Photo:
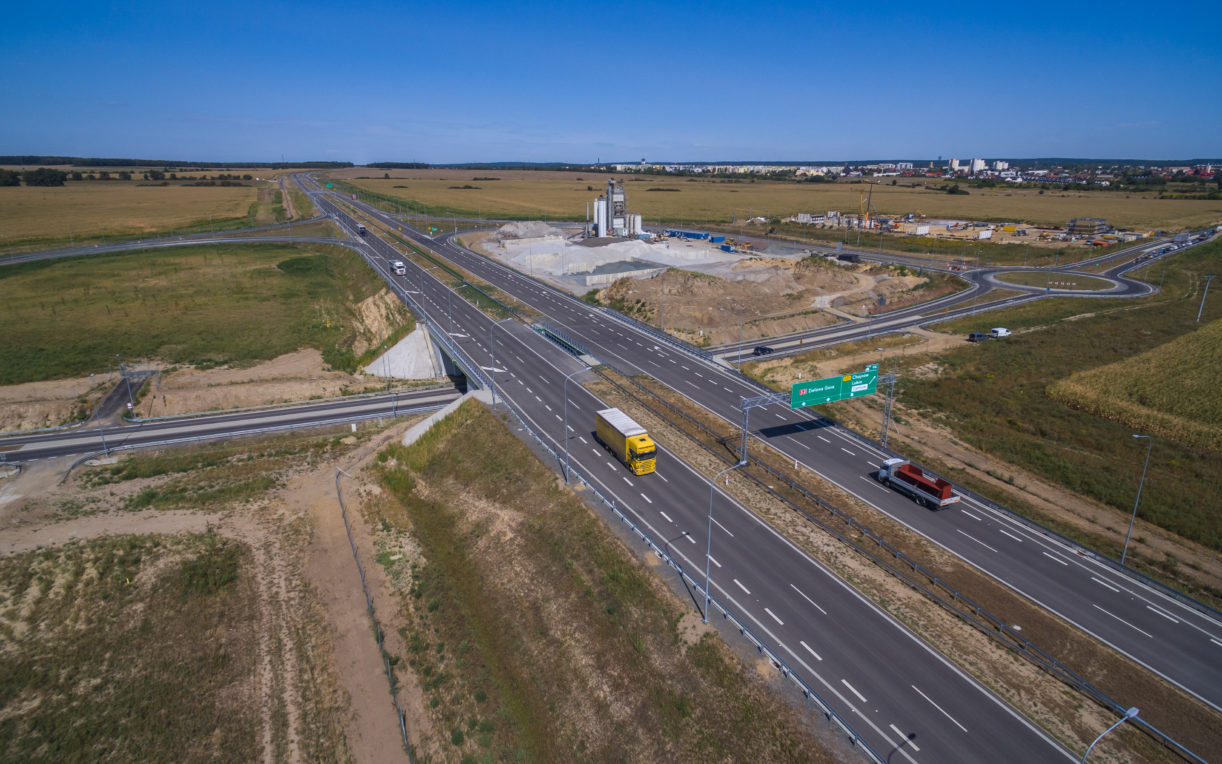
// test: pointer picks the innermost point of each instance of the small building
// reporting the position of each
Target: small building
(1087, 226)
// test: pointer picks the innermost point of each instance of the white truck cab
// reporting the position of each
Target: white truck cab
(399, 268)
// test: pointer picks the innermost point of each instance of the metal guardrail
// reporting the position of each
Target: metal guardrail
(979, 617)
(675, 342)
(697, 583)
(567, 343)
(934, 588)
(377, 627)
(278, 406)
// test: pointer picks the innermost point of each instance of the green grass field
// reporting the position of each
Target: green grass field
(129, 648)
(1000, 396)
(203, 305)
(1055, 280)
(1170, 391)
(519, 194)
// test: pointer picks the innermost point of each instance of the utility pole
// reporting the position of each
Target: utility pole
(1208, 278)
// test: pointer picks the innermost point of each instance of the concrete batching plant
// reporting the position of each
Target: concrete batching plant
(611, 216)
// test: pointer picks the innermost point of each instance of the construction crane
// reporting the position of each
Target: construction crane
(865, 204)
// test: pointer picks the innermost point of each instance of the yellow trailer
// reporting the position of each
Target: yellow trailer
(627, 440)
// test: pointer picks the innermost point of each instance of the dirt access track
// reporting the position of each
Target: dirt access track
(320, 689)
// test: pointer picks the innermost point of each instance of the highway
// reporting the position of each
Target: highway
(905, 700)
(1179, 641)
(98, 437)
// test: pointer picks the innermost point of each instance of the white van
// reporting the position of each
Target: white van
(401, 270)
(999, 331)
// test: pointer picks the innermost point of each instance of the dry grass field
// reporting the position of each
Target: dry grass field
(1170, 391)
(85, 211)
(518, 193)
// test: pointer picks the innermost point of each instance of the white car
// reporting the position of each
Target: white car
(999, 331)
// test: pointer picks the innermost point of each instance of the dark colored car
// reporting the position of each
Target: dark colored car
(977, 337)
(762, 350)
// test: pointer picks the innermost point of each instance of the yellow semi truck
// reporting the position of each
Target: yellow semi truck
(627, 440)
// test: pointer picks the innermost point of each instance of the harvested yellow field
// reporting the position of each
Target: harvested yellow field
(559, 194)
(1170, 391)
(85, 210)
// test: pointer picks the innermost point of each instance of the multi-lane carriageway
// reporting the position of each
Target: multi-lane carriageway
(1178, 640)
(906, 701)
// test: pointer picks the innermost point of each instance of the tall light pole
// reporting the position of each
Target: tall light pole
(1131, 713)
(1133, 519)
(565, 431)
(492, 350)
(1208, 278)
(708, 551)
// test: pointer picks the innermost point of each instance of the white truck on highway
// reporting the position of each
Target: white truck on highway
(399, 268)
(905, 477)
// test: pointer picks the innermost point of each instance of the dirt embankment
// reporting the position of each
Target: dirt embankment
(760, 297)
(49, 404)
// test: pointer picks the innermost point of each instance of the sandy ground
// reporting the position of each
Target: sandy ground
(49, 404)
(317, 645)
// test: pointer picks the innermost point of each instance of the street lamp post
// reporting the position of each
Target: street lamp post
(1131, 713)
(492, 350)
(708, 552)
(1133, 519)
(565, 431)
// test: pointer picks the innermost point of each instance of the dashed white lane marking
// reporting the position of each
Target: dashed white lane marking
(803, 445)
(609, 464)
(825, 440)
(935, 705)
(646, 498)
(1216, 642)
(853, 690)
(583, 440)
(663, 514)
(713, 560)
(1164, 615)
(906, 740)
(1011, 535)
(549, 408)
(978, 541)
(688, 536)
(977, 518)
(629, 482)
(1118, 618)
(808, 599)
(740, 586)
(661, 477)
(1054, 558)
(728, 390)
(719, 525)
(1104, 584)
(778, 620)
(540, 400)
(850, 453)
(812, 652)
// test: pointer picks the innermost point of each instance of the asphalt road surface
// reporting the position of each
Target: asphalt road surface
(1181, 641)
(907, 701)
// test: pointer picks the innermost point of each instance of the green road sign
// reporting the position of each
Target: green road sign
(818, 391)
(329, 186)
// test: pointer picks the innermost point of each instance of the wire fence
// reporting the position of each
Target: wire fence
(373, 617)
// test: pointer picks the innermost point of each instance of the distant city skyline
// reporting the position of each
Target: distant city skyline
(677, 83)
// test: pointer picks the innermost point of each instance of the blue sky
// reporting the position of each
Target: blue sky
(468, 82)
